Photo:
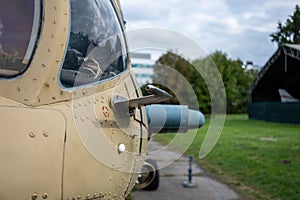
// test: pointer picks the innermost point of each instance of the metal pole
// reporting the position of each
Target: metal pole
(189, 183)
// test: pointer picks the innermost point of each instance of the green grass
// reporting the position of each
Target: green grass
(258, 169)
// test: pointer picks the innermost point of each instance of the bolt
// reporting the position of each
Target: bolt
(45, 133)
(31, 134)
(34, 196)
(45, 195)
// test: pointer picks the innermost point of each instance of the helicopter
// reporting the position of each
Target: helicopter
(74, 123)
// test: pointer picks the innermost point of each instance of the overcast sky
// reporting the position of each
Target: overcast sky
(239, 28)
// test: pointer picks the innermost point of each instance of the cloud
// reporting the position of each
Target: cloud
(239, 28)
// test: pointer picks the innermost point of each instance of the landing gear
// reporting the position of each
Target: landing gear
(149, 177)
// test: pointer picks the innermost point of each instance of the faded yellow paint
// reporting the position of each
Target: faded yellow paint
(57, 143)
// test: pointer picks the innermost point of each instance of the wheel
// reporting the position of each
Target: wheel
(148, 179)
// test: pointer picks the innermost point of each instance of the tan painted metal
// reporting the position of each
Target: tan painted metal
(64, 144)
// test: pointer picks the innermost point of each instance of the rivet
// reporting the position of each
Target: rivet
(95, 195)
(87, 196)
(31, 134)
(34, 196)
(45, 133)
(79, 196)
(45, 195)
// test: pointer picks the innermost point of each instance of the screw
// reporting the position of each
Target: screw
(45, 133)
(45, 195)
(31, 134)
(34, 196)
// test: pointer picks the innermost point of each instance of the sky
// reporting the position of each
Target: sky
(238, 28)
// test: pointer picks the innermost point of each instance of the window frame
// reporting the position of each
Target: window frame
(126, 63)
(37, 26)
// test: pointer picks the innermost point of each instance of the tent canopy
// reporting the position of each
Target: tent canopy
(282, 71)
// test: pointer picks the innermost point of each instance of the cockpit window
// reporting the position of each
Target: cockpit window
(19, 27)
(96, 49)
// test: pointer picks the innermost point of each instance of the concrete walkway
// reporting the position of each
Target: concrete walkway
(172, 177)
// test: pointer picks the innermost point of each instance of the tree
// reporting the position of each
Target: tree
(290, 31)
(237, 80)
(173, 73)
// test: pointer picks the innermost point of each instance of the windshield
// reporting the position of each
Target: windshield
(19, 24)
(96, 49)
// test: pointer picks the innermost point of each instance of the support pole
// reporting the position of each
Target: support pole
(189, 183)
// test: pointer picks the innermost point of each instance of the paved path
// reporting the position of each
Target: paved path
(172, 177)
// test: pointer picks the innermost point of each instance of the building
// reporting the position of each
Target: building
(142, 65)
(275, 94)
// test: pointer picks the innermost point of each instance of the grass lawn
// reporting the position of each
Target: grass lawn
(260, 160)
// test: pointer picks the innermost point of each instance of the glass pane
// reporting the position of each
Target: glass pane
(96, 49)
(16, 22)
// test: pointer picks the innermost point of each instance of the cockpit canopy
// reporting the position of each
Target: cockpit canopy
(19, 31)
(96, 50)
(96, 47)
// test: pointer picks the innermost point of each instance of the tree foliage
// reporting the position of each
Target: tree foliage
(173, 74)
(289, 32)
(237, 80)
